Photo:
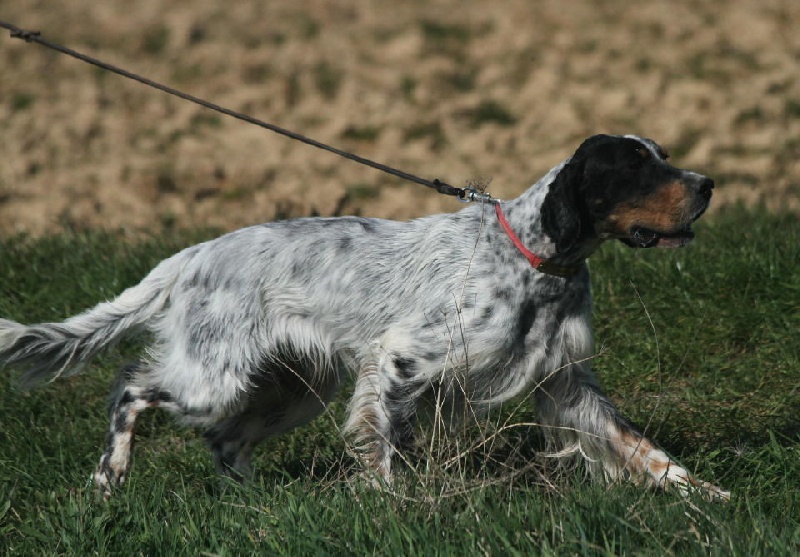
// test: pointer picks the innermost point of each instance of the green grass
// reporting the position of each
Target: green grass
(699, 346)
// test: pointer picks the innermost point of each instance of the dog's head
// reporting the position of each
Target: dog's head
(623, 187)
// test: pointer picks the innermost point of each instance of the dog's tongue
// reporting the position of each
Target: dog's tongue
(673, 242)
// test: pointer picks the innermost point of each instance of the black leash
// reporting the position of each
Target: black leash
(464, 194)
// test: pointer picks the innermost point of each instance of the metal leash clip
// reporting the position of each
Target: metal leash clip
(472, 194)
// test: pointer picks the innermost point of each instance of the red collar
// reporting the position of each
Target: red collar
(536, 262)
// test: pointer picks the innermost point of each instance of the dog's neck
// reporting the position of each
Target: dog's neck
(524, 217)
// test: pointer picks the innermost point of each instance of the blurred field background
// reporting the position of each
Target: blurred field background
(456, 90)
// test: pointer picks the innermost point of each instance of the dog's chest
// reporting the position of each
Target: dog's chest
(526, 318)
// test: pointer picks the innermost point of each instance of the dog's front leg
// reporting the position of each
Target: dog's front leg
(641, 458)
(381, 413)
(579, 419)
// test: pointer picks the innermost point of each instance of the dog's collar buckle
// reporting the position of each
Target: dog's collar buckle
(538, 263)
(550, 268)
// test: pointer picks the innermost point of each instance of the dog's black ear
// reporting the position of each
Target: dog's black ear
(562, 210)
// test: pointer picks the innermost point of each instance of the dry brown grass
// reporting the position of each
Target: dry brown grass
(455, 90)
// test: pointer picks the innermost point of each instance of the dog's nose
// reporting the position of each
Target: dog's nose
(706, 185)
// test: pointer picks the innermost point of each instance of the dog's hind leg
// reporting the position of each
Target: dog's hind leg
(276, 405)
(127, 400)
(232, 442)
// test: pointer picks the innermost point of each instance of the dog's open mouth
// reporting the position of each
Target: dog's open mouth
(647, 238)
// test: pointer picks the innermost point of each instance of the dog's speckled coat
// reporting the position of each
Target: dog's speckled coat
(253, 332)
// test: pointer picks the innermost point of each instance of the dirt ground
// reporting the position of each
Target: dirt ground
(456, 90)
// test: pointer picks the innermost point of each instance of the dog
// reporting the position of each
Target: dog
(253, 333)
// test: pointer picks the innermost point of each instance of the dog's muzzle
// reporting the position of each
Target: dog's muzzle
(642, 237)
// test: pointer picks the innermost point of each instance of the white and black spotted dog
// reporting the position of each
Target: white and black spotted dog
(253, 333)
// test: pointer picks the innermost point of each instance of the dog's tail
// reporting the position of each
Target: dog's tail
(48, 350)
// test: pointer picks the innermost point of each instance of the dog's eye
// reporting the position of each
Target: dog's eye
(642, 156)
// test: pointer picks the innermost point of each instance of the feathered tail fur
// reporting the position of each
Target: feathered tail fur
(49, 350)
